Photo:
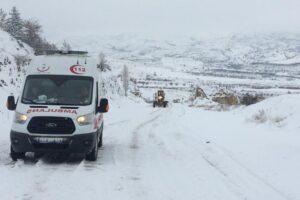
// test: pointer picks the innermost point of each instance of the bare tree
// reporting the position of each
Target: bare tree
(125, 79)
(103, 66)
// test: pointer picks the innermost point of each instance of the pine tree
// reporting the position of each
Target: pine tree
(2, 18)
(27, 31)
(66, 46)
(14, 24)
(31, 33)
(32, 36)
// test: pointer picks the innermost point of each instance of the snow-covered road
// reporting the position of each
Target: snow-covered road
(173, 153)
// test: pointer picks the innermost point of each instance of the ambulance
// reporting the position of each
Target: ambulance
(60, 107)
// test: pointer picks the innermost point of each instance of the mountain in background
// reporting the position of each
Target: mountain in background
(265, 56)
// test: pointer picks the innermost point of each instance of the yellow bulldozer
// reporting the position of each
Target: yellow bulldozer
(159, 99)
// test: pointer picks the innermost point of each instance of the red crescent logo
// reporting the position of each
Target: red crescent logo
(77, 69)
(43, 69)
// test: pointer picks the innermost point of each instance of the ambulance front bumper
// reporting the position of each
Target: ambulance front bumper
(81, 143)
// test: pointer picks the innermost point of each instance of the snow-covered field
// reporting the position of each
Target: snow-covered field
(173, 153)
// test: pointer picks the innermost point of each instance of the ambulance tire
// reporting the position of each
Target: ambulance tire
(38, 155)
(92, 156)
(16, 155)
(100, 143)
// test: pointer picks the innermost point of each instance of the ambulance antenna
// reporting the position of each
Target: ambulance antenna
(85, 57)
(77, 59)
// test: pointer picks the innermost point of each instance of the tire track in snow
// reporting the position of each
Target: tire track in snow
(124, 121)
(135, 133)
(160, 144)
(117, 123)
(111, 144)
(136, 175)
(245, 169)
(45, 169)
(241, 181)
(233, 170)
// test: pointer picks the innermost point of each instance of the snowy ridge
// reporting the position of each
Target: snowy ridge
(235, 50)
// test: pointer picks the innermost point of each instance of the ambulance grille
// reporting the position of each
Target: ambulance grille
(51, 125)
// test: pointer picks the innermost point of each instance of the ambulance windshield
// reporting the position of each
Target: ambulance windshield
(58, 90)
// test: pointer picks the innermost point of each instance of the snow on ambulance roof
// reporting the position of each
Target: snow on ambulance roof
(63, 65)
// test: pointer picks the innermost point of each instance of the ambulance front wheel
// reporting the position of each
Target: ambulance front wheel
(92, 156)
(16, 155)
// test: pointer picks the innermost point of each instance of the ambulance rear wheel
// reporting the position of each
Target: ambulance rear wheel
(16, 155)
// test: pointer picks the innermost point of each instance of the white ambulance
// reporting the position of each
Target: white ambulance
(59, 108)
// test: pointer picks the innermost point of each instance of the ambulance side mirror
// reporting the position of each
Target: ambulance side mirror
(104, 107)
(11, 103)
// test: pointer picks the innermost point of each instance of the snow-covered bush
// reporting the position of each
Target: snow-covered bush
(260, 117)
(280, 111)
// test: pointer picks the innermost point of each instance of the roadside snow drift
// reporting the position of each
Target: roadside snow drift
(282, 111)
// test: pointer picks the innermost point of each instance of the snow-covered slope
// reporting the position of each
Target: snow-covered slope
(14, 57)
(282, 111)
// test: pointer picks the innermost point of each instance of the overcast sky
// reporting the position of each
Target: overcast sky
(61, 18)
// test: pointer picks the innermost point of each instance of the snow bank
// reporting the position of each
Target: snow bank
(281, 111)
(11, 47)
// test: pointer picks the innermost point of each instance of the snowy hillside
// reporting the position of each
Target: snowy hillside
(264, 64)
(14, 57)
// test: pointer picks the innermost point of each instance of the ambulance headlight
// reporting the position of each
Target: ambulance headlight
(20, 118)
(85, 119)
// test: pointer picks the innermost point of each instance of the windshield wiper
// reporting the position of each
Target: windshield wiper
(33, 101)
(28, 100)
